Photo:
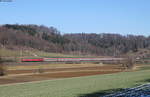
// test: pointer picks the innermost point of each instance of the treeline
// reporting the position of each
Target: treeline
(51, 40)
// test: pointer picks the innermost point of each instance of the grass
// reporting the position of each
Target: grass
(145, 67)
(19, 53)
(76, 87)
(30, 54)
(15, 55)
(9, 53)
(34, 53)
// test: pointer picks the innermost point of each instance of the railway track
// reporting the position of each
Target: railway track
(69, 59)
(139, 91)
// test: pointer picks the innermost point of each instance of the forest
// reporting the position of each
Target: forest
(50, 39)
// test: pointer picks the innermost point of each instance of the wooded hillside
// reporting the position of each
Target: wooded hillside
(49, 39)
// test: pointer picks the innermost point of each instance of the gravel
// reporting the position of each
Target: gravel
(139, 91)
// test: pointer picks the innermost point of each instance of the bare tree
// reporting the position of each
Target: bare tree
(2, 68)
(129, 62)
(51, 40)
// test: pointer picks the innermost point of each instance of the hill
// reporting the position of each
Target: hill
(49, 39)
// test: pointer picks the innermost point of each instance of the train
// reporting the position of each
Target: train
(69, 59)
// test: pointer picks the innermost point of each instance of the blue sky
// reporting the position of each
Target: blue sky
(75, 16)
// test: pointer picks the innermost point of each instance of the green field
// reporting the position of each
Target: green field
(21, 53)
(88, 86)
(35, 53)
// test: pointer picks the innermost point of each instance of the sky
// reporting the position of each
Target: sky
(77, 16)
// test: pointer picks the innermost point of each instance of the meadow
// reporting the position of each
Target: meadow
(35, 53)
(89, 86)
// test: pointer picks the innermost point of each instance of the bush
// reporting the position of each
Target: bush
(40, 70)
(2, 68)
(129, 63)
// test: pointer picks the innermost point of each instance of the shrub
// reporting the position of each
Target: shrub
(2, 68)
(129, 63)
(40, 70)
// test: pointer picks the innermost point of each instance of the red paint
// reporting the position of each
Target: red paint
(32, 60)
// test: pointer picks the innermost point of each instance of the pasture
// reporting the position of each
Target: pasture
(89, 86)
(32, 53)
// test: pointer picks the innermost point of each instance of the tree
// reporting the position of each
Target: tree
(50, 39)
(129, 62)
(2, 68)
